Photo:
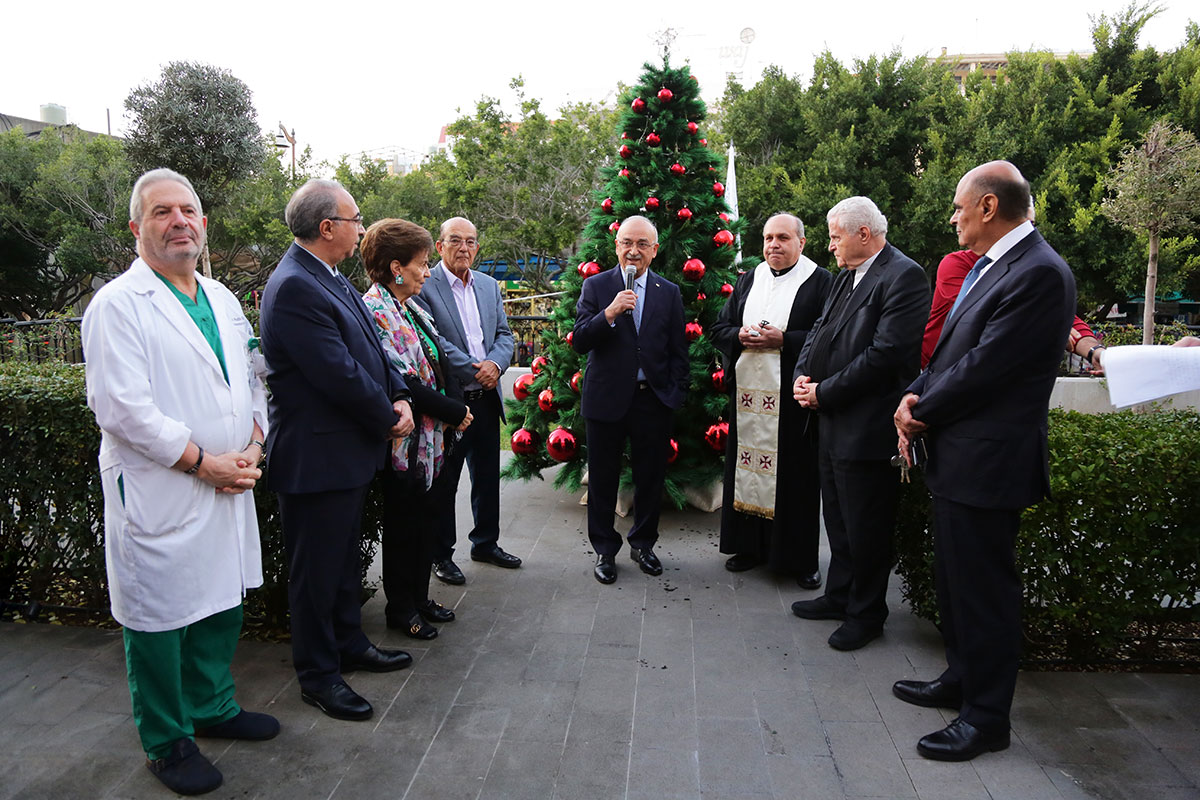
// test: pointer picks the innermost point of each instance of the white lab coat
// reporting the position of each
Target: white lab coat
(176, 551)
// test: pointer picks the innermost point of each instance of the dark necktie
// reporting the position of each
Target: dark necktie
(968, 282)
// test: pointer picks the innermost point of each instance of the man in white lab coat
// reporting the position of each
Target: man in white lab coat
(183, 418)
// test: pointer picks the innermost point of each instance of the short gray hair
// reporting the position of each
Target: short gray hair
(653, 227)
(313, 202)
(148, 179)
(793, 218)
(858, 212)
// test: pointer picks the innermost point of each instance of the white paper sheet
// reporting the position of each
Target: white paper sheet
(1141, 373)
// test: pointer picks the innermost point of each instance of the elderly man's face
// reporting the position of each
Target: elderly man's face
(782, 244)
(347, 230)
(637, 244)
(458, 245)
(850, 248)
(967, 218)
(171, 230)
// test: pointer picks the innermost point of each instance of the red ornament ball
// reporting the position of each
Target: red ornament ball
(626, 151)
(704, 142)
(562, 445)
(719, 189)
(624, 135)
(672, 451)
(684, 214)
(546, 400)
(570, 337)
(539, 363)
(693, 128)
(521, 387)
(666, 95)
(524, 442)
(638, 105)
(624, 173)
(726, 289)
(716, 435)
(653, 139)
(587, 269)
(701, 297)
(718, 380)
(606, 205)
(616, 226)
(721, 238)
(678, 168)
(693, 331)
(652, 204)
(693, 269)
(721, 215)
(576, 379)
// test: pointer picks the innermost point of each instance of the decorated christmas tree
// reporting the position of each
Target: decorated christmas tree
(665, 171)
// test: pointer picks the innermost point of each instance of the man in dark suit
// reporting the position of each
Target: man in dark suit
(335, 403)
(469, 312)
(636, 376)
(859, 356)
(981, 408)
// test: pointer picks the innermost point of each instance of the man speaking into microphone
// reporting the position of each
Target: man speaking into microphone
(629, 323)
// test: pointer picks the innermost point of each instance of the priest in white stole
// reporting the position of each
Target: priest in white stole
(770, 513)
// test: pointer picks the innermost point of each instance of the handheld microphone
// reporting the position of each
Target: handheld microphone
(630, 277)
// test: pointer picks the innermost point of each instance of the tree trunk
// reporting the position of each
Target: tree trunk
(205, 266)
(1151, 287)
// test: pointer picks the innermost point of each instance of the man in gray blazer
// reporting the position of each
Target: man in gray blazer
(469, 313)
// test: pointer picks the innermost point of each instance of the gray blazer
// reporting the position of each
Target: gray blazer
(437, 298)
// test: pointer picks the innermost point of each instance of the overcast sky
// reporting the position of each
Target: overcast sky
(368, 75)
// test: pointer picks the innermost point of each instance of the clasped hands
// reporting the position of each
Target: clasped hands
(907, 426)
(805, 392)
(760, 337)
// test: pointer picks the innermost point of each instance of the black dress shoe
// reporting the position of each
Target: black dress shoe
(418, 629)
(819, 608)
(185, 770)
(929, 694)
(606, 569)
(741, 562)
(852, 636)
(961, 741)
(374, 659)
(810, 581)
(249, 725)
(338, 701)
(496, 556)
(646, 560)
(433, 611)
(447, 571)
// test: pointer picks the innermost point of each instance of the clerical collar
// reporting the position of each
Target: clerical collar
(779, 273)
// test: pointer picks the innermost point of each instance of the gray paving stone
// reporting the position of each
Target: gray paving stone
(867, 760)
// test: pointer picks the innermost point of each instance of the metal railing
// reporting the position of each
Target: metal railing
(41, 340)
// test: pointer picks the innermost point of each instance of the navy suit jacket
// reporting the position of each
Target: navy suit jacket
(437, 298)
(616, 351)
(872, 353)
(986, 390)
(332, 386)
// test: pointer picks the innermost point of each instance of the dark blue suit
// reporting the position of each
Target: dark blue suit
(984, 396)
(616, 407)
(332, 390)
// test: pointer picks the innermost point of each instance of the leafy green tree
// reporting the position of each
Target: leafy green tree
(64, 214)
(1156, 189)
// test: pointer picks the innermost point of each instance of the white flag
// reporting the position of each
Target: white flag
(731, 196)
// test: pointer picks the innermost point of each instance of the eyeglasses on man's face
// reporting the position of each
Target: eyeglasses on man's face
(357, 219)
(458, 241)
(640, 244)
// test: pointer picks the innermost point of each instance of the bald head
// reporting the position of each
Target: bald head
(1005, 181)
(990, 201)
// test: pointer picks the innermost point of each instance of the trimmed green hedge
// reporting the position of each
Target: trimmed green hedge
(1111, 563)
(52, 506)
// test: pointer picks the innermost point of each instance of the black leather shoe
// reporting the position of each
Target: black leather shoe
(852, 636)
(929, 694)
(961, 741)
(433, 611)
(819, 608)
(646, 559)
(249, 725)
(185, 770)
(606, 569)
(418, 629)
(496, 556)
(810, 581)
(338, 701)
(741, 563)
(448, 572)
(374, 659)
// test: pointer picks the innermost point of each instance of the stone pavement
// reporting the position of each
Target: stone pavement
(695, 684)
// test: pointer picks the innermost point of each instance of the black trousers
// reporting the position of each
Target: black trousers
(979, 600)
(859, 499)
(479, 448)
(411, 523)
(647, 427)
(321, 534)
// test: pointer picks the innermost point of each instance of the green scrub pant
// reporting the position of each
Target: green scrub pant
(180, 680)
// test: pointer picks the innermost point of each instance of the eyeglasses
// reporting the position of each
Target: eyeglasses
(357, 219)
(458, 241)
(640, 244)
